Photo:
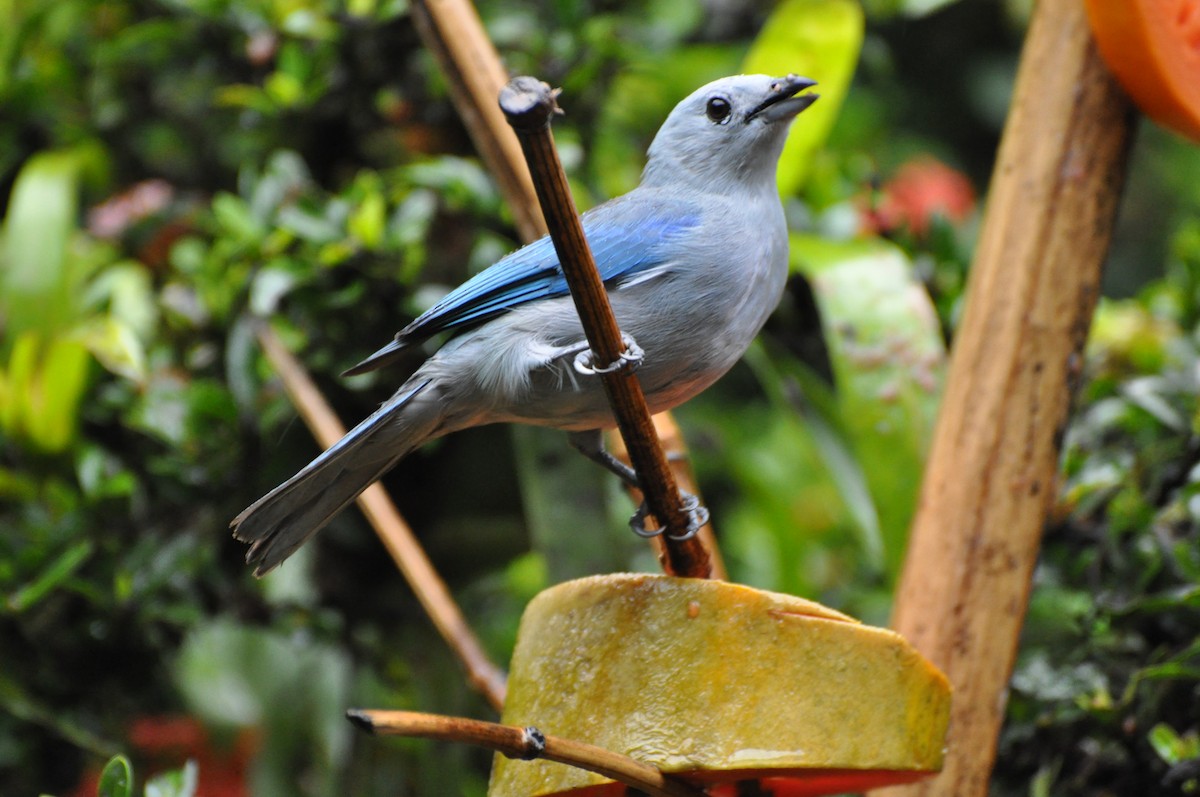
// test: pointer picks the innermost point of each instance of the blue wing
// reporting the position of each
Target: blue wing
(627, 236)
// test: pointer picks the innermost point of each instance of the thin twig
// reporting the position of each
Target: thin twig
(528, 104)
(453, 32)
(395, 534)
(524, 743)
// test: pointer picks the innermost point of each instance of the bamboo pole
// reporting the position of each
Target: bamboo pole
(990, 479)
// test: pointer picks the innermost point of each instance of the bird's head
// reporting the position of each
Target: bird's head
(730, 131)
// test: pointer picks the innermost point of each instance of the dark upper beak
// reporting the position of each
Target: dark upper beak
(782, 102)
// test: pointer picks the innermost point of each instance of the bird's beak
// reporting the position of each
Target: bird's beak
(782, 102)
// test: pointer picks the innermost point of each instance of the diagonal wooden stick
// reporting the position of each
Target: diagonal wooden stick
(527, 743)
(395, 534)
(453, 32)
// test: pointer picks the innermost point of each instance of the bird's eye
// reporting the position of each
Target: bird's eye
(718, 110)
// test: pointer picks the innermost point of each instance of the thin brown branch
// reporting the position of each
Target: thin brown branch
(528, 104)
(524, 743)
(395, 534)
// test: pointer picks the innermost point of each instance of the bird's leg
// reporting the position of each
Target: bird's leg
(591, 445)
(697, 519)
(629, 360)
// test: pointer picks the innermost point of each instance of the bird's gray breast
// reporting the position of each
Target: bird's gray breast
(694, 314)
(698, 320)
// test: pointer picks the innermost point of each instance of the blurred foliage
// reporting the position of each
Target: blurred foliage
(1106, 693)
(173, 172)
(809, 37)
(116, 780)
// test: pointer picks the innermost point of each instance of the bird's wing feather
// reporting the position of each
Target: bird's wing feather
(626, 239)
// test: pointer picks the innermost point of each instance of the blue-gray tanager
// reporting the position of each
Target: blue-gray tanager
(694, 260)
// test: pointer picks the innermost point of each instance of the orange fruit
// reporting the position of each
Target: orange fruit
(1153, 48)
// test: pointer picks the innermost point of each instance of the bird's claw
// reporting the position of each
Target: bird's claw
(628, 360)
(697, 519)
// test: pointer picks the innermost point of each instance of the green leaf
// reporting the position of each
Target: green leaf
(101, 474)
(306, 22)
(1166, 743)
(35, 290)
(177, 783)
(117, 778)
(15, 378)
(58, 571)
(819, 39)
(127, 291)
(284, 89)
(308, 225)
(42, 391)
(241, 95)
(823, 425)
(270, 285)
(888, 360)
(116, 345)
(236, 220)
(53, 413)
(368, 220)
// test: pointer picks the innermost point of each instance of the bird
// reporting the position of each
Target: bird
(694, 259)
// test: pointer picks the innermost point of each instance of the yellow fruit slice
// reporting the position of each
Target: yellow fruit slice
(718, 683)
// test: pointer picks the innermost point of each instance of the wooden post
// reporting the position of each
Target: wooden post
(991, 476)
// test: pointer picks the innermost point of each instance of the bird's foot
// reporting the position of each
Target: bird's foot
(697, 519)
(628, 360)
